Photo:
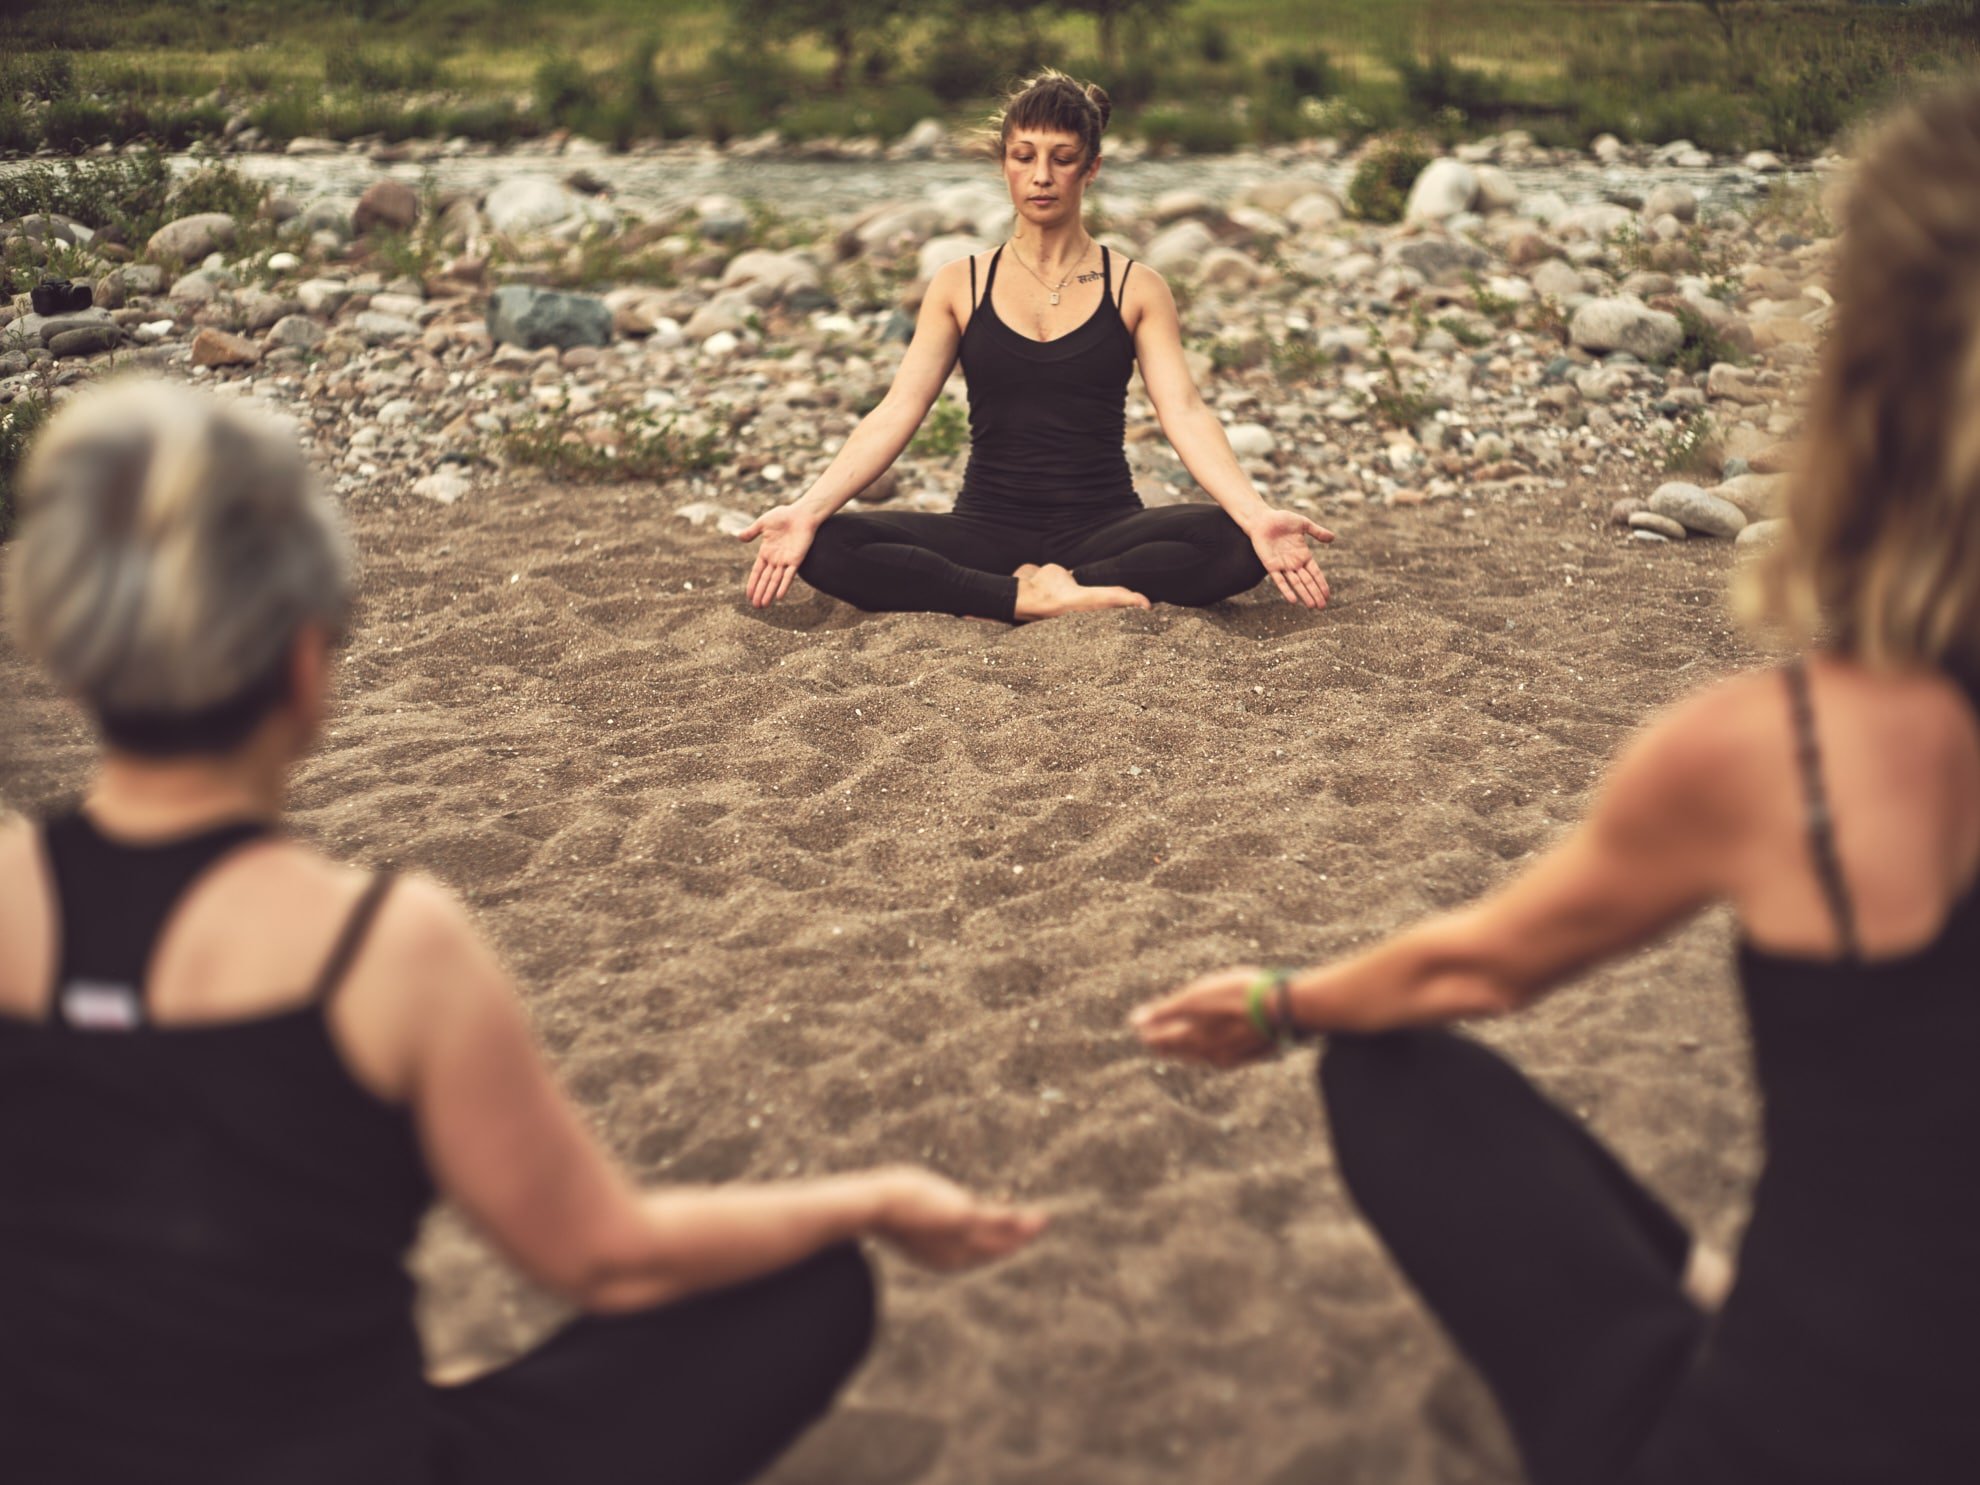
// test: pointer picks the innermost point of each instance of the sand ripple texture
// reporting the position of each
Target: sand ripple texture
(806, 890)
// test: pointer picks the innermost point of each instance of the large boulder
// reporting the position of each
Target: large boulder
(1759, 496)
(524, 315)
(898, 225)
(938, 251)
(1445, 188)
(391, 205)
(728, 312)
(767, 276)
(1497, 190)
(191, 238)
(336, 215)
(1671, 199)
(1316, 211)
(1626, 324)
(85, 340)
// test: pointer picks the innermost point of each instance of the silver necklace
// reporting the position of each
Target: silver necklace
(1054, 292)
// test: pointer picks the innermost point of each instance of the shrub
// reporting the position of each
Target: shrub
(1704, 347)
(649, 448)
(370, 70)
(20, 420)
(1380, 188)
(1693, 448)
(1213, 41)
(129, 196)
(219, 188)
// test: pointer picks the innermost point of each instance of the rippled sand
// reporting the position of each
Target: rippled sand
(805, 890)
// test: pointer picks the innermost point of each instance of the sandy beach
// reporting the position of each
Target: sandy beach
(804, 890)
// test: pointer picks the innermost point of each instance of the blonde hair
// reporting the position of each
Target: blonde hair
(1882, 551)
(171, 546)
(1049, 99)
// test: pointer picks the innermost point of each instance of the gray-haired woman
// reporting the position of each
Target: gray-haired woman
(234, 1073)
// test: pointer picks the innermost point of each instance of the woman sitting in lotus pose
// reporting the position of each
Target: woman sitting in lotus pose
(1049, 327)
(1835, 805)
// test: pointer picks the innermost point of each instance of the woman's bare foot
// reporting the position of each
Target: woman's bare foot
(1044, 591)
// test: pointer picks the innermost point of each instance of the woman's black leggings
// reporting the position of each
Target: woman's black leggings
(961, 563)
(707, 1391)
(1556, 1274)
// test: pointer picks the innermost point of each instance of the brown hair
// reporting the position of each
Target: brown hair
(1051, 100)
(1883, 539)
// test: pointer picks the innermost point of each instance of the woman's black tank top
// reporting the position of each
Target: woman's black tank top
(202, 1226)
(1047, 419)
(1846, 1349)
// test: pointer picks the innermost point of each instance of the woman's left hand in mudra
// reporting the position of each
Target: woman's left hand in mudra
(1205, 1021)
(1280, 538)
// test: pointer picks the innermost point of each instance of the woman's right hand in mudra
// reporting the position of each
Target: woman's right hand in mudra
(939, 1225)
(786, 533)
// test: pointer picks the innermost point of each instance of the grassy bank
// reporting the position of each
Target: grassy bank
(1214, 75)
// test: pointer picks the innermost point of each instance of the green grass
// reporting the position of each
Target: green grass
(650, 448)
(1791, 75)
(20, 420)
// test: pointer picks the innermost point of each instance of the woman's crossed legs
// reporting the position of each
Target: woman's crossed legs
(970, 564)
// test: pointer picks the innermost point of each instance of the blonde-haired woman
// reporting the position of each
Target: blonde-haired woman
(233, 1072)
(1836, 805)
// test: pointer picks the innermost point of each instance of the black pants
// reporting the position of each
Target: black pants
(1555, 1273)
(921, 562)
(703, 1392)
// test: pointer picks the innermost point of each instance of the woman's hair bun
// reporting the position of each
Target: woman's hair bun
(1100, 100)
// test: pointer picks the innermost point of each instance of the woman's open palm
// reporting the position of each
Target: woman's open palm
(1280, 539)
(786, 533)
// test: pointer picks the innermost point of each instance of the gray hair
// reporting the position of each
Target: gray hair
(170, 548)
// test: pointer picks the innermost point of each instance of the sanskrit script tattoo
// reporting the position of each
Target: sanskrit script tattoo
(1087, 278)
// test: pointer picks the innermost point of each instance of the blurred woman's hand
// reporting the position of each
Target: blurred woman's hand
(939, 1225)
(1205, 1021)
(786, 533)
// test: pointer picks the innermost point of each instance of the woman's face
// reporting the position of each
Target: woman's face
(1047, 173)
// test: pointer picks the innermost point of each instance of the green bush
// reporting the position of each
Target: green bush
(380, 71)
(219, 188)
(1380, 188)
(129, 196)
(955, 65)
(74, 124)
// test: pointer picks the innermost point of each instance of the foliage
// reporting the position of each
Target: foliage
(1693, 448)
(1380, 188)
(20, 420)
(944, 433)
(1498, 308)
(380, 70)
(1463, 332)
(26, 263)
(649, 447)
(1704, 346)
(1400, 404)
(128, 196)
(841, 24)
(1192, 129)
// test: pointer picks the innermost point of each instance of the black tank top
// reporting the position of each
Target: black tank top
(1047, 419)
(202, 1226)
(1846, 1349)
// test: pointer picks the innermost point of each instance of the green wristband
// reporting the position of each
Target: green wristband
(1254, 1006)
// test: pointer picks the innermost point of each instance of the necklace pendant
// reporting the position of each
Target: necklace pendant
(1055, 296)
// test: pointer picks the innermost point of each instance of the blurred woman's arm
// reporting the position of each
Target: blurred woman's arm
(1658, 845)
(504, 1143)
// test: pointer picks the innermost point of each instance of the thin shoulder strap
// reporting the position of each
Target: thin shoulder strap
(1106, 272)
(990, 277)
(972, 280)
(1821, 823)
(352, 938)
(1127, 267)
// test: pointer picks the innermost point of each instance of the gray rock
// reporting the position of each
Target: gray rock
(524, 315)
(85, 340)
(1227, 268)
(389, 204)
(1626, 324)
(707, 512)
(1444, 260)
(109, 291)
(1496, 190)
(1251, 440)
(202, 285)
(766, 277)
(721, 218)
(1315, 212)
(1650, 520)
(1766, 162)
(1657, 537)
(445, 485)
(142, 278)
(260, 309)
(729, 312)
(297, 331)
(522, 205)
(323, 296)
(1758, 496)
(331, 214)
(1697, 510)
(44, 328)
(374, 328)
(191, 238)
(1596, 221)
(1672, 198)
(889, 228)
(1761, 534)
(1445, 188)
(922, 141)
(1176, 251)
(1554, 279)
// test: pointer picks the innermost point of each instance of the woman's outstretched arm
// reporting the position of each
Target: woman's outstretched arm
(1278, 536)
(505, 1144)
(1658, 846)
(874, 445)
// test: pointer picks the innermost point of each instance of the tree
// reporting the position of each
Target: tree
(1108, 14)
(843, 25)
